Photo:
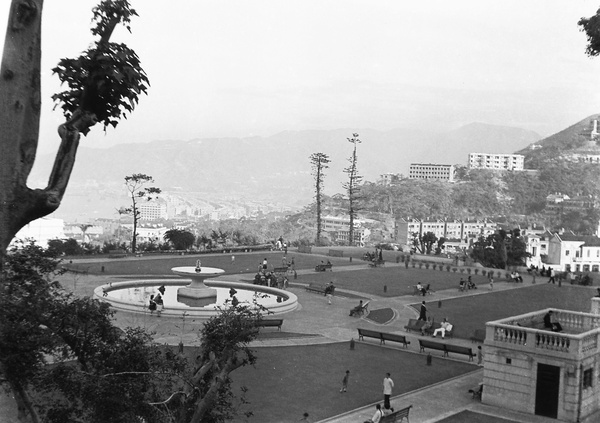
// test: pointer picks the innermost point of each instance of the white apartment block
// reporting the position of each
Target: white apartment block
(152, 210)
(431, 171)
(338, 229)
(574, 253)
(450, 229)
(496, 161)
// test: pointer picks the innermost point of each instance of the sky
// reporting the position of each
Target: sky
(238, 68)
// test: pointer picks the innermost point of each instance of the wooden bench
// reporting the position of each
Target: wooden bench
(414, 324)
(394, 337)
(376, 263)
(457, 349)
(397, 416)
(478, 335)
(324, 267)
(271, 323)
(316, 287)
(449, 333)
(356, 311)
(445, 348)
(280, 269)
(369, 334)
(117, 254)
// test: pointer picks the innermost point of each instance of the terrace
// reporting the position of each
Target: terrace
(526, 333)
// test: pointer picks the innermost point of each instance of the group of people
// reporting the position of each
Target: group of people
(423, 290)
(388, 385)
(156, 302)
(374, 256)
(465, 285)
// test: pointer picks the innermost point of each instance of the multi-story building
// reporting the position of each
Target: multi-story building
(562, 203)
(387, 179)
(569, 252)
(338, 229)
(461, 231)
(42, 230)
(431, 171)
(496, 161)
(153, 210)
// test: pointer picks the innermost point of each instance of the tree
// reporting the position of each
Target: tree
(428, 240)
(352, 187)
(137, 190)
(501, 249)
(319, 162)
(181, 239)
(94, 376)
(104, 83)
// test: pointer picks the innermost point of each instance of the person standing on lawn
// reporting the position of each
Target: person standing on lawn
(423, 312)
(345, 381)
(329, 289)
(388, 384)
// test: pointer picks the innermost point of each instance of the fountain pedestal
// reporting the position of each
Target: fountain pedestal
(197, 289)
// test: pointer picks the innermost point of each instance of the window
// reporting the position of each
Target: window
(586, 267)
(587, 378)
(595, 268)
(567, 252)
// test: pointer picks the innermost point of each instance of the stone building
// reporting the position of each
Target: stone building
(536, 371)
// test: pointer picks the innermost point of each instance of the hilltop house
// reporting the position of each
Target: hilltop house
(569, 252)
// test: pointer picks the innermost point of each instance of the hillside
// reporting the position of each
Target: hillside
(274, 168)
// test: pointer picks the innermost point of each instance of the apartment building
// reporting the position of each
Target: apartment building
(496, 161)
(431, 171)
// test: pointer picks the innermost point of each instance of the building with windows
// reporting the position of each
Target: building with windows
(430, 171)
(152, 210)
(496, 161)
(567, 252)
(338, 229)
(462, 232)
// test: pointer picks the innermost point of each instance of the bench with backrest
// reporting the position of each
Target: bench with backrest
(449, 333)
(117, 253)
(369, 334)
(478, 335)
(280, 269)
(375, 263)
(359, 311)
(397, 416)
(316, 287)
(445, 348)
(271, 323)
(394, 337)
(324, 267)
(414, 325)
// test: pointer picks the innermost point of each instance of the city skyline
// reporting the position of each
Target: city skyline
(238, 69)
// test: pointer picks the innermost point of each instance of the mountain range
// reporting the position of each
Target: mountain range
(274, 168)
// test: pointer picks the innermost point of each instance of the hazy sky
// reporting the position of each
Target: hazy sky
(242, 68)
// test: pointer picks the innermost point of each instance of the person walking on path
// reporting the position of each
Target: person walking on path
(479, 356)
(423, 312)
(329, 292)
(552, 275)
(345, 381)
(388, 384)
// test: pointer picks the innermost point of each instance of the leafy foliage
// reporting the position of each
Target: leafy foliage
(500, 250)
(181, 239)
(107, 79)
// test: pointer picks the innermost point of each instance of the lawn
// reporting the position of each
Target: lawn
(288, 381)
(244, 263)
(471, 312)
(398, 279)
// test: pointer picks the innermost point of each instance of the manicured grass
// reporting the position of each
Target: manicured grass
(471, 312)
(398, 279)
(244, 263)
(288, 381)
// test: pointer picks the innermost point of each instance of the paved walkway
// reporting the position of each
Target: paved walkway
(315, 317)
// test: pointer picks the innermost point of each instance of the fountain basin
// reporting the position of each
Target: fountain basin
(137, 301)
(198, 288)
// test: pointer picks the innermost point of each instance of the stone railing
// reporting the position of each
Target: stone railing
(581, 332)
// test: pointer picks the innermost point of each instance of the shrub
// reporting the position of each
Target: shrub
(469, 270)
(483, 272)
(587, 280)
(454, 269)
(448, 267)
(426, 265)
(414, 264)
(433, 267)
(476, 271)
(507, 275)
(462, 270)
(420, 265)
(499, 274)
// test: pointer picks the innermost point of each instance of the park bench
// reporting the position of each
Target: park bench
(316, 287)
(280, 269)
(449, 333)
(445, 348)
(369, 334)
(359, 312)
(324, 267)
(117, 254)
(414, 325)
(395, 338)
(271, 323)
(478, 335)
(397, 416)
(375, 263)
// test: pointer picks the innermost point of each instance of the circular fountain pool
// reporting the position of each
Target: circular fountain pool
(134, 296)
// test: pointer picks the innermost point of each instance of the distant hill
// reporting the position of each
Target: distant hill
(269, 168)
(576, 139)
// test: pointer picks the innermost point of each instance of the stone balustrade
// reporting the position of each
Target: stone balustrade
(580, 335)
